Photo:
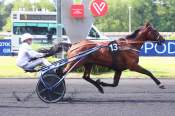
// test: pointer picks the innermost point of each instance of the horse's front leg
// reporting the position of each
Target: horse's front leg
(115, 83)
(86, 76)
(61, 71)
(142, 70)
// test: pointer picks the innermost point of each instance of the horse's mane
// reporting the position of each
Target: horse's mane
(134, 34)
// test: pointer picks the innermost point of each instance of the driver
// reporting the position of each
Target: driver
(27, 58)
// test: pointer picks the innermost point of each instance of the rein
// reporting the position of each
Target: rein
(129, 48)
(81, 46)
(138, 42)
(133, 42)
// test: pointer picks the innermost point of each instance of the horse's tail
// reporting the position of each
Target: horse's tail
(57, 48)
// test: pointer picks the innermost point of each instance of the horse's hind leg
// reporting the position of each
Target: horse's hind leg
(86, 76)
(115, 83)
(140, 69)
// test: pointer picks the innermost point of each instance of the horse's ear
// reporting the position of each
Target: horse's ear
(147, 24)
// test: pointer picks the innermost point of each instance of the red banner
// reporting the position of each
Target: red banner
(77, 10)
(99, 8)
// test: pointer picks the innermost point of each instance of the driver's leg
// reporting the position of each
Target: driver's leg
(34, 63)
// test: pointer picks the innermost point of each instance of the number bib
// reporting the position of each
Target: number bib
(113, 47)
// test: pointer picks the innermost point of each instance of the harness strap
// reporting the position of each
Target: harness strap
(114, 53)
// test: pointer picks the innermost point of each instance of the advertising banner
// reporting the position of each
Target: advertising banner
(99, 8)
(5, 47)
(153, 49)
(77, 11)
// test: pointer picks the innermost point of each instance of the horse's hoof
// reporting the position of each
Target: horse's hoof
(100, 89)
(162, 87)
(98, 81)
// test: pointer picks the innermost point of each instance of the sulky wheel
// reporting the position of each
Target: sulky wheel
(49, 90)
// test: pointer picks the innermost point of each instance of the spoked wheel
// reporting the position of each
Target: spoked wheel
(49, 90)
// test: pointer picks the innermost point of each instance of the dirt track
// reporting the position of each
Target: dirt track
(133, 97)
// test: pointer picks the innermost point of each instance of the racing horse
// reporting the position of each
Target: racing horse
(119, 55)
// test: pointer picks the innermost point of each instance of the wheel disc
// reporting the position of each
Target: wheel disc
(51, 91)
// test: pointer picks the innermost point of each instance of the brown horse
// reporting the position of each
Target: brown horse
(120, 55)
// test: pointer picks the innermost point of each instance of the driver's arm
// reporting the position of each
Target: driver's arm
(34, 54)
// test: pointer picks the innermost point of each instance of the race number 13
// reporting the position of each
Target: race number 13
(113, 47)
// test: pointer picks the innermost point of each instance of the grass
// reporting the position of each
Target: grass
(162, 67)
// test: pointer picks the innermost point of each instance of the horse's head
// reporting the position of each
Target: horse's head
(152, 34)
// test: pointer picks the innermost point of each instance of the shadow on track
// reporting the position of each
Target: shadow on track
(110, 101)
(25, 107)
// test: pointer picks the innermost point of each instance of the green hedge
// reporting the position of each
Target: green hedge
(96, 69)
(1, 37)
(171, 38)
